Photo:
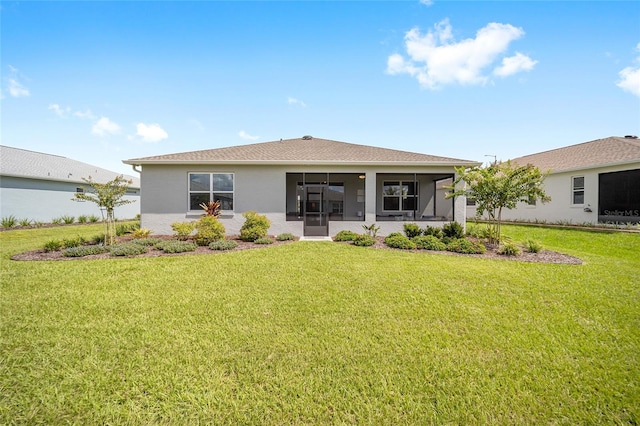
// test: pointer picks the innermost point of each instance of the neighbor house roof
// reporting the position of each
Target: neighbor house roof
(305, 150)
(22, 163)
(598, 153)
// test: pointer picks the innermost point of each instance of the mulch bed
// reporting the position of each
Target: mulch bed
(545, 256)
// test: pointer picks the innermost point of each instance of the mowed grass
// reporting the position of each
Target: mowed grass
(322, 333)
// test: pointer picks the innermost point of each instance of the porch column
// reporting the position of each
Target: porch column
(370, 197)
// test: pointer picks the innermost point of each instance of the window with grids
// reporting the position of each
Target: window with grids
(205, 187)
(399, 195)
(577, 190)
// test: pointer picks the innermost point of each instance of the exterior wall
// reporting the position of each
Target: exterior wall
(560, 210)
(164, 196)
(43, 200)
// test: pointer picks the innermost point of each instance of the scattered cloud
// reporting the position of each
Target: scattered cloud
(59, 111)
(14, 87)
(245, 135)
(85, 115)
(436, 59)
(514, 64)
(151, 132)
(104, 127)
(294, 101)
(426, 2)
(630, 77)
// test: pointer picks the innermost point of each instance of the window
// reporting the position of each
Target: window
(204, 187)
(399, 195)
(577, 190)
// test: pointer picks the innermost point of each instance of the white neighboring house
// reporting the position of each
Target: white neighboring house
(41, 187)
(592, 182)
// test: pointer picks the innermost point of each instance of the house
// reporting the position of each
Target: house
(306, 186)
(589, 183)
(41, 187)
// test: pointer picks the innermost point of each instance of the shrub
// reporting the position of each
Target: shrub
(255, 226)
(364, 240)
(141, 233)
(432, 230)
(56, 220)
(73, 242)
(25, 222)
(263, 240)
(371, 230)
(462, 245)
(532, 246)
(93, 218)
(128, 249)
(345, 236)
(82, 219)
(478, 231)
(68, 219)
(182, 230)
(9, 221)
(53, 245)
(82, 251)
(126, 228)
(453, 230)
(208, 230)
(223, 245)
(285, 237)
(97, 239)
(400, 242)
(173, 246)
(147, 241)
(429, 242)
(509, 250)
(412, 230)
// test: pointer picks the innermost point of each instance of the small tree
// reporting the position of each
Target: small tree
(108, 196)
(499, 186)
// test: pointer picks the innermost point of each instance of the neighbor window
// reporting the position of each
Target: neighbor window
(205, 187)
(399, 195)
(577, 190)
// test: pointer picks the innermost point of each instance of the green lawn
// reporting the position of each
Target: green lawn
(317, 333)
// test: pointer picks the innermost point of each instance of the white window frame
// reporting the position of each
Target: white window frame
(577, 189)
(211, 190)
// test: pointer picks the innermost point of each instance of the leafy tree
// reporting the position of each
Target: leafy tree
(499, 186)
(107, 196)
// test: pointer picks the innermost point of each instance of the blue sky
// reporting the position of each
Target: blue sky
(105, 81)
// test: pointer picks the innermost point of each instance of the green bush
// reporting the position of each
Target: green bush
(432, 230)
(223, 245)
(263, 240)
(462, 245)
(285, 237)
(400, 242)
(208, 230)
(147, 241)
(173, 246)
(68, 219)
(97, 239)
(255, 226)
(509, 249)
(412, 230)
(429, 242)
(364, 240)
(9, 221)
(73, 242)
(56, 220)
(126, 228)
(345, 236)
(25, 222)
(53, 245)
(141, 233)
(93, 218)
(532, 246)
(478, 231)
(82, 219)
(182, 230)
(453, 230)
(82, 251)
(128, 249)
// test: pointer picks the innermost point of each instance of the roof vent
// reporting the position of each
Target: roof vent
(631, 137)
(307, 137)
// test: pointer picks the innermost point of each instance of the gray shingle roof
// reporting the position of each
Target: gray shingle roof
(600, 152)
(301, 151)
(36, 165)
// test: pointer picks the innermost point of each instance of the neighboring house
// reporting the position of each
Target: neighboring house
(41, 187)
(592, 182)
(305, 186)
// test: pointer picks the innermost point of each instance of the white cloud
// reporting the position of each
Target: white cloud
(17, 90)
(151, 132)
(514, 64)
(85, 115)
(104, 127)
(426, 2)
(630, 78)
(294, 101)
(436, 59)
(59, 111)
(245, 135)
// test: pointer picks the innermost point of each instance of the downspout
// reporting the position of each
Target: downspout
(133, 166)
